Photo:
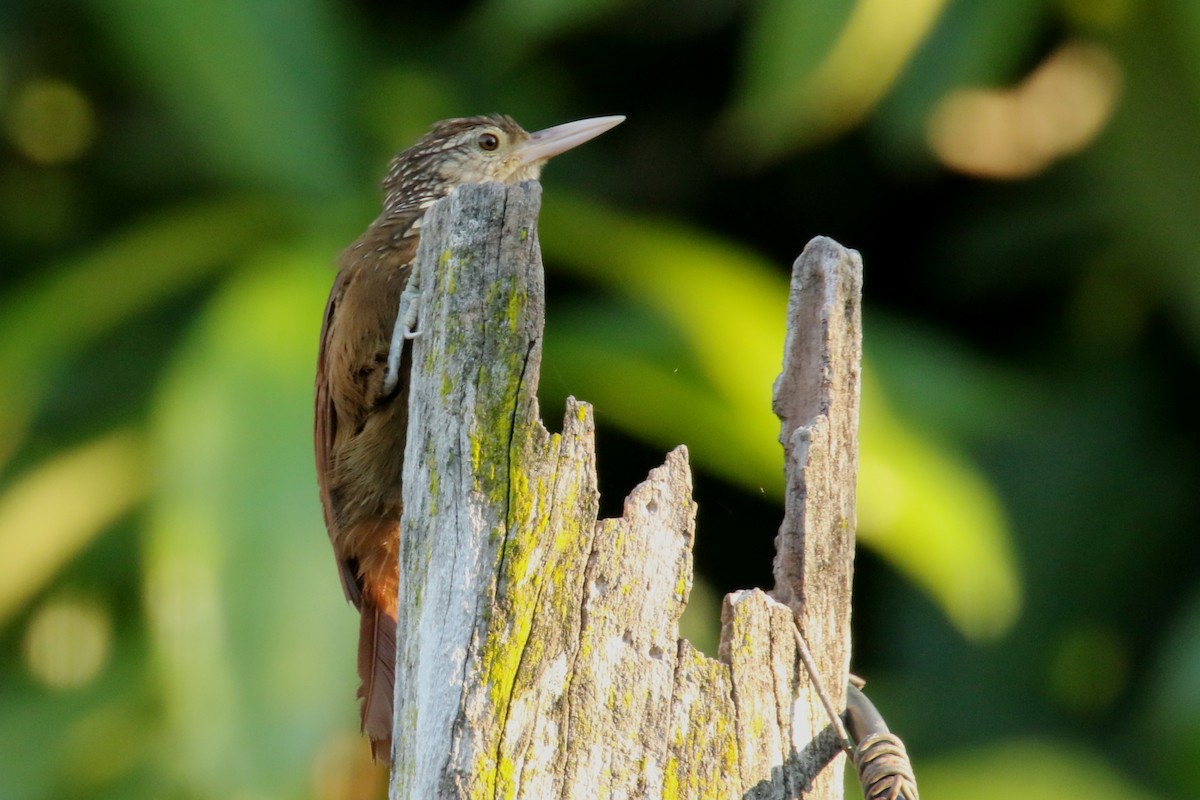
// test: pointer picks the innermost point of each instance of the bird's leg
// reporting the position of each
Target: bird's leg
(404, 330)
(408, 305)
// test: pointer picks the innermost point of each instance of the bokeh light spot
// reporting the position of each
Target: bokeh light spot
(67, 643)
(1056, 111)
(51, 121)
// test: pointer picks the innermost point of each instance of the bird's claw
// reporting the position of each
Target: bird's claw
(408, 316)
(408, 309)
(405, 330)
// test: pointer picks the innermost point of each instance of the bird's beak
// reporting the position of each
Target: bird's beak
(561, 138)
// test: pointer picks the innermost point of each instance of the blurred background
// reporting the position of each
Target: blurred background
(1021, 177)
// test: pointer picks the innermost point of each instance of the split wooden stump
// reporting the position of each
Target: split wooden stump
(539, 653)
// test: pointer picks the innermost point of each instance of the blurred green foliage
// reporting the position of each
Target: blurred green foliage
(176, 180)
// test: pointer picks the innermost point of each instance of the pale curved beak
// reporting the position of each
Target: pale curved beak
(550, 142)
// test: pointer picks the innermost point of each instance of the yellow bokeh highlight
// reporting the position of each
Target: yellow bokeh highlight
(53, 511)
(780, 110)
(1056, 111)
(877, 43)
(67, 643)
(50, 121)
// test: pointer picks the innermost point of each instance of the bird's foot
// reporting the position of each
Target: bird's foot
(405, 330)
(408, 317)
(408, 309)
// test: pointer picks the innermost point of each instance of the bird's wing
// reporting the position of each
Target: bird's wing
(324, 431)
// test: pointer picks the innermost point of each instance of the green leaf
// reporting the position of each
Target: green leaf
(707, 383)
(46, 322)
(806, 82)
(510, 28)
(1028, 769)
(255, 84)
(39, 534)
(726, 306)
(1168, 731)
(249, 625)
(936, 518)
(981, 43)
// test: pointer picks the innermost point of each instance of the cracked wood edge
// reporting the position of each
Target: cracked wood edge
(480, 307)
(538, 651)
(817, 401)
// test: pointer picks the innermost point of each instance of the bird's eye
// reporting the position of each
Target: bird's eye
(488, 141)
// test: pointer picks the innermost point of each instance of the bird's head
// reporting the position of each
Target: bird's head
(479, 150)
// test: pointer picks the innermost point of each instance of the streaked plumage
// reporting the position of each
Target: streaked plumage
(359, 426)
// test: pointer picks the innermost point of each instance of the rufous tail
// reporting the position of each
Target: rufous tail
(377, 676)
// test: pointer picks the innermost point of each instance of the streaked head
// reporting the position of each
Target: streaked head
(480, 150)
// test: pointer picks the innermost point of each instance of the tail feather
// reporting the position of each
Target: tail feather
(377, 676)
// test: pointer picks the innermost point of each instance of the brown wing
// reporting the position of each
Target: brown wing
(324, 431)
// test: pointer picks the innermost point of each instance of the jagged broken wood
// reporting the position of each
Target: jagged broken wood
(539, 653)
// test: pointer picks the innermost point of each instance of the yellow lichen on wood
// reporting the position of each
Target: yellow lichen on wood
(539, 649)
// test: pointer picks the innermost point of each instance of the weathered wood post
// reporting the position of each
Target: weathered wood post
(539, 653)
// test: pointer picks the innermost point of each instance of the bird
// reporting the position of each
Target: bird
(361, 392)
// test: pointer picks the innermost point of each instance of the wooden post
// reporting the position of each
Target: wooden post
(539, 652)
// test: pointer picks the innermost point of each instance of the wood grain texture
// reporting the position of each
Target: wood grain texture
(539, 653)
(817, 401)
